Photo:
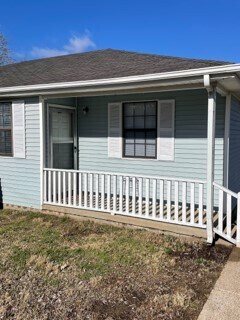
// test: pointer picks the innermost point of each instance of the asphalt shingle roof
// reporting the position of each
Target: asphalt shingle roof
(100, 64)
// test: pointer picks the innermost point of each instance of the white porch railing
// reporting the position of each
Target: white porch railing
(171, 200)
(227, 220)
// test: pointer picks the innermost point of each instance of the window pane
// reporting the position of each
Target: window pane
(139, 123)
(150, 150)
(5, 115)
(151, 137)
(140, 137)
(151, 109)
(129, 136)
(129, 150)
(128, 109)
(1, 115)
(2, 142)
(140, 150)
(128, 122)
(8, 142)
(139, 109)
(5, 142)
(150, 122)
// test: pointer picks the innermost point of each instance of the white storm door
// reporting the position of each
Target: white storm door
(62, 138)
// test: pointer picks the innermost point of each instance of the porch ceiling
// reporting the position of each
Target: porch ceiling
(232, 84)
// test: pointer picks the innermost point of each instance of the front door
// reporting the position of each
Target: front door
(62, 138)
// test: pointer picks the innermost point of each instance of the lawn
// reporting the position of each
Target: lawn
(58, 268)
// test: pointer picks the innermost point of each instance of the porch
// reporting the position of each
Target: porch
(85, 165)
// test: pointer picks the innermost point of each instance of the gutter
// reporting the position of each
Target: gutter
(232, 68)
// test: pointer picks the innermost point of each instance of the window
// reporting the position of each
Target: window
(140, 129)
(6, 129)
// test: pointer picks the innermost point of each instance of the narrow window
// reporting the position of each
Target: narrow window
(140, 129)
(6, 129)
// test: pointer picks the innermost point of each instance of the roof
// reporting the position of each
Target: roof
(93, 65)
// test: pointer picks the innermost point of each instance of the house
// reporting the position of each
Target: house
(152, 137)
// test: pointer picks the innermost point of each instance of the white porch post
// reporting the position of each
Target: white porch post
(226, 140)
(210, 161)
(42, 150)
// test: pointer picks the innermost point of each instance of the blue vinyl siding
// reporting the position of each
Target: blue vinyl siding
(20, 178)
(234, 147)
(190, 137)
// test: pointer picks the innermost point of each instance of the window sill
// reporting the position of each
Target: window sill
(146, 159)
(5, 156)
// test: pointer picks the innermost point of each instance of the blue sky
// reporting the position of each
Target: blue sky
(190, 28)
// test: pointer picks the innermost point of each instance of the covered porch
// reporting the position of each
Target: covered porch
(76, 174)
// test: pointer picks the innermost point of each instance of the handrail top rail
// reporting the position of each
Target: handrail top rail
(233, 194)
(127, 175)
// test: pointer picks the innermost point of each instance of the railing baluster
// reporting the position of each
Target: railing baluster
(184, 202)
(91, 190)
(50, 186)
(220, 211)
(169, 186)
(59, 187)
(229, 215)
(85, 190)
(127, 195)
(238, 220)
(64, 188)
(74, 189)
(108, 192)
(80, 189)
(140, 195)
(192, 201)
(161, 199)
(114, 193)
(147, 197)
(103, 192)
(96, 191)
(200, 204)
(154, 198)
(70, 188)
(121, 194)
(54, 188)
(45, 186)
(134, 195)
(176, 201)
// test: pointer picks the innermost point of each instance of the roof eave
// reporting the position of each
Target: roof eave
(169, 78)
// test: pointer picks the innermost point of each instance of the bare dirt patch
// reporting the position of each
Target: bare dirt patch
(57, 268)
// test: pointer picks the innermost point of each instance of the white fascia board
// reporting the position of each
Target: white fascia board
(129, 79)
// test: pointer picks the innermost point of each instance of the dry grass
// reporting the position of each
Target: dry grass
(57, 268)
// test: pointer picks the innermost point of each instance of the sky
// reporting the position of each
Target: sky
(206, 29)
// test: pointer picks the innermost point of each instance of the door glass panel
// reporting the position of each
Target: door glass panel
(62, 138)
(63, 156)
